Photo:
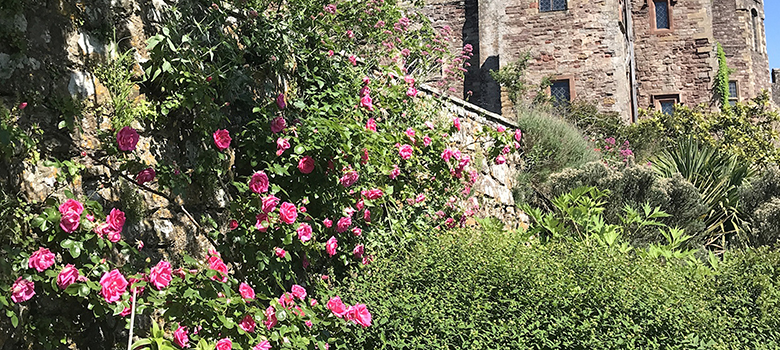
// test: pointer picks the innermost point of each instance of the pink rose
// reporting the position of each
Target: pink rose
(367, 102)
(349, 178)
(446, 154)
(500, 128)
(282, 145)
(246, 291)
(420, 198)
(67, 276)
(264, 345)
(358, 251)
(22, 290)
(280, 253)
(304, 232)
(247, 324)
(367, 215)
(456, 123)
(299, 292)
(286, 300)
(395, 172)
(518, 135)
(270, 317)
(364, 156)
(269, 203)
(160, 275)
(288, 213)
(429, 125)
(308, 324)
(371, 124)
(427, 140)
(500, 159)
(405, 151)
(410, 133)
(306, 165)
(69, 222)
(233, 225)
(411, 91)
(114, 285)
(353, 60)
(224, 344)
(216, 264)
(41, 260)
(280, 102)
(180, 337)
(372, 194)
(145, 176)
(278, 125)
(331, 245)
(343, 224)
(127, 139)
(360, 315)
(23, 105)
(222, 139)
(71, 205)
(262, 222)
(337, 307)
(357, 231)
(259, 182)
(126, 311)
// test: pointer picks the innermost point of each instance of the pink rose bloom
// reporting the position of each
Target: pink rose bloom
(456, 123)
(246, 291)
(288, 213)
(343, 224)
(371, 124)
(299, 292)
(360, 204)
(331, 245)
(23, 105)
(308, 324)
(145, 176)
(264, 345)
(126, 311)
(411, 91)
(69, 222)
(67, 276)
(160, 275)
(270, 318)
(71, 205)
(405, 151)
(337, 307)
(41, 260)
(269, 203)
(216, 264)
(351, 35)
(330, 8)
(357, 231)
(91, 218)
(224, 344)
(410, 133)
(349, 211)
(353, 60)
(518, 135)
(114, 285)
(420, 198)
(429, 125)
(367, 102)
(446, 154)
(127, 139)
(280, 253)
(327, 222)
(180, 337)
(304, 232)
(116, 218)
(500, 159)
(330, 53)
(367, 215)
(500, 128)
(427, 140)
(278, 125)
(372, 194)
(360, 315)
(358, 251)
(349, 178)
(259, 182)
(222, 139)
(506, 149)
(409, 79)
(395, 172)
(247, 324)
(306, 165)
(22, 290)
(364, 156)
(286, 300)
(233, 225)
(282, 145)
(280, 102)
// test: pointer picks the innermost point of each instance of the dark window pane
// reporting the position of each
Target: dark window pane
(667, 107)
(544, 5)
(552, 5)
(559, 5)
(732, 89)
(661, 14)
(559, 90)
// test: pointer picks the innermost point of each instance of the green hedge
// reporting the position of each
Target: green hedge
(491, 290)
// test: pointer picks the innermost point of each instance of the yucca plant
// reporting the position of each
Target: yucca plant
(717, 176)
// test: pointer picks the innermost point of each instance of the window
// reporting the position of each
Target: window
(665, 103)
(661, 15)
(561, 92)
(733, 93)
(756, 35)
(552, 5)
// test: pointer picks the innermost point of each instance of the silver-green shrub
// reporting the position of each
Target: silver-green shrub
(760, 202)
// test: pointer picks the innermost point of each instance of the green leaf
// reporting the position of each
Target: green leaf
(14, 321)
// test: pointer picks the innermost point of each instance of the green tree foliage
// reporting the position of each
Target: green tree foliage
(720, 86)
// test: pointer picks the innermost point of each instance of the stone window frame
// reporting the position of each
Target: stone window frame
(735, 99)
(570, 78)
(651, 12)
(665, 97)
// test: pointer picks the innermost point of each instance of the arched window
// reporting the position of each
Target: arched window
(756, 34)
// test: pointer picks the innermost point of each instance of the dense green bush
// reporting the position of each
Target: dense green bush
(635, 185)
(760, 201)
(493, 290)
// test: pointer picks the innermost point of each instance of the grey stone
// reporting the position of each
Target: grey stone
(81, 84)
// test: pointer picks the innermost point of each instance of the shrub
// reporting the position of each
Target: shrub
(492, 290)
(760, 201)
(634, 186)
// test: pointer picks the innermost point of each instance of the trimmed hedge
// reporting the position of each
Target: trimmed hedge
(490, 290)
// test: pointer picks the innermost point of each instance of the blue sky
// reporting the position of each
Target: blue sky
(772, 27)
